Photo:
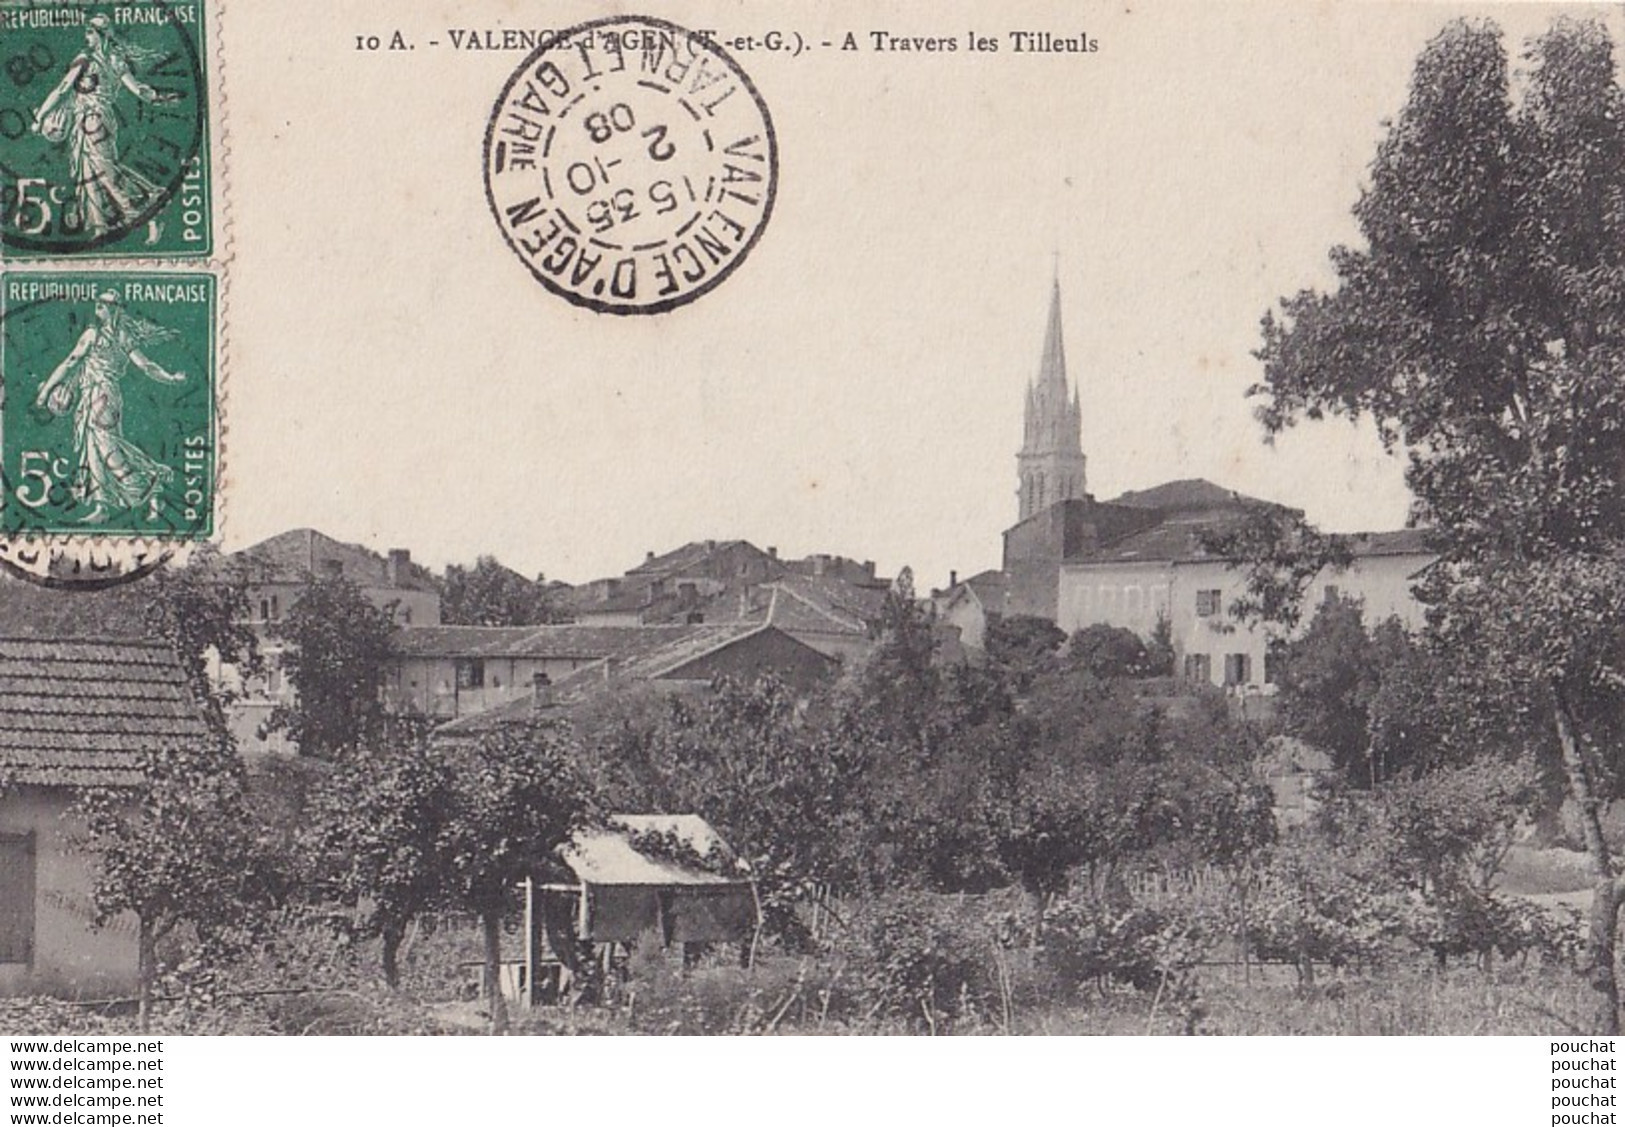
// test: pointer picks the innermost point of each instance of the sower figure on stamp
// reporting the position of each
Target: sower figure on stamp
(112, 471)
(83, 110)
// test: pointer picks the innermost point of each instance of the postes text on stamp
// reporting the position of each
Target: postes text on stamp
(104, 130)
(631, 165)
(108, 426)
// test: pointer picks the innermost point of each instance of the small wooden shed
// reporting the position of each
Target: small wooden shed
(638, 875)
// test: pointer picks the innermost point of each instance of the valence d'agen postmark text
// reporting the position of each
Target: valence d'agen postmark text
(631, 165)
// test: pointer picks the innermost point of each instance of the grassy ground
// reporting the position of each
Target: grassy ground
(309, 982)
(788, 995)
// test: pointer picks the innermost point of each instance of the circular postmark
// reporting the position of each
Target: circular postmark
(103, 127)
(631, 165)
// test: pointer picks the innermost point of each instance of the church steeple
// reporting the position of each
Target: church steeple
(1051, 461)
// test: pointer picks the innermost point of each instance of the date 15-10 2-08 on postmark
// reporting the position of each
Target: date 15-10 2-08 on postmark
(108, 424)
(631, 165)
(104, 130)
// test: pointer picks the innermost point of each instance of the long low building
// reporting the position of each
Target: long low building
(453, 671)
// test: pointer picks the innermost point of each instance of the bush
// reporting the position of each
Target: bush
(1310, 909)
(1148, 948)
(1465, 922)
(921, 958)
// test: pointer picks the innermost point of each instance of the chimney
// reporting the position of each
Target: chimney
(649, 557)
(772, 552)
(710, 545)
(953, 580)
(869, 569)
(400, 560)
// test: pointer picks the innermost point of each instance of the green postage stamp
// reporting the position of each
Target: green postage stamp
(104, 130)
(108, 423)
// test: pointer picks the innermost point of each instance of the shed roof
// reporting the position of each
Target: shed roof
(605, 856)
(84, 712)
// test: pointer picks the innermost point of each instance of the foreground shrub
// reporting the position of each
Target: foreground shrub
(921, 958)
(1311, 908)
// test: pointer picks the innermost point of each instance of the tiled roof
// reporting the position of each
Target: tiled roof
(532, 641)
(84, 712)
(292, 556)
(1179, 540)
(29, 609)
(654, 663)
(1400, 542)
(658, 661)
(1187, 495)
(690, 554)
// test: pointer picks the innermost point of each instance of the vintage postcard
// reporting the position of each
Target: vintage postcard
(812, 518)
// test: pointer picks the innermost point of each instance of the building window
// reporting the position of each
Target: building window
(1207, 603)
(16, 898)
(276, 611)
(1274, 660)
(265, 610)
(1199, 667)
(470, 673)
(1238, 669)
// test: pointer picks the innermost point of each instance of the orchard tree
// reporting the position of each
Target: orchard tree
(338, 645)
(179, 853)
(516, 797)
(381, 827)
(489, 594)
(1482, 326)
(783, 791)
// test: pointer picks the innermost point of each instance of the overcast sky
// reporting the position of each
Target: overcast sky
(856, 387)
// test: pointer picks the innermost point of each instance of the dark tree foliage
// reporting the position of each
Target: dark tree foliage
(516, 796)
(337, 649)
(202, 611)
(1326, 682)
(894, 688)
(181, 854)
(1023, 647)
(1482, 326)
(489, 594)
(1110, 652)
(1281, 554)
(782, 791)
(381, 821)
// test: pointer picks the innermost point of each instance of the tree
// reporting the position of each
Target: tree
(179, 852)
(382, 823)
(1110, 652)
(1022, 647)
(892, 691)
(201, 609)
(516, 797)
(1282, 553)
(1327, 678)
(1482, 326)
(489, 594)
(782, 790)
(338, 648)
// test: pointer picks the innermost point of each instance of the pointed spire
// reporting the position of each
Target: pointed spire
(1052, 369)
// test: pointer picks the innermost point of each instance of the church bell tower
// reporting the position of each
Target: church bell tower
(1051, 461)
